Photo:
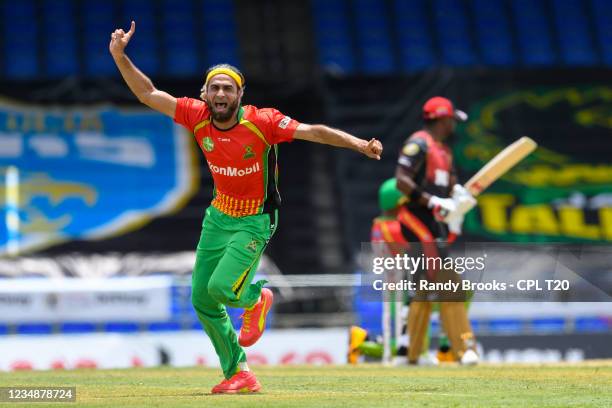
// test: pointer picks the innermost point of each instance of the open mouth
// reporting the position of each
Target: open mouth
(221, 105)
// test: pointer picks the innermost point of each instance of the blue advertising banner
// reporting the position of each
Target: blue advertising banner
(88, 173)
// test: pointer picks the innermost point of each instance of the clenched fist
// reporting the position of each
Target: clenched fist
(373, 149)
(120, 39)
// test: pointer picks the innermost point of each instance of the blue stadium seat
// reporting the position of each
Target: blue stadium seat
(34, 328)
(20, 45)
(453, 33)
(333, 40)
(59, 37)
(414, 35)
(77, 327)
(3, 329)
(533, 30)
(122, 327)
(373, 37)
(179, 38)
(602, 10)
(493, 31)
(164, 326)
(574, 37)
(98, 24)
(143, 47)
(220, 41)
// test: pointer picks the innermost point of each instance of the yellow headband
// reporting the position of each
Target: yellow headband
(225, 71)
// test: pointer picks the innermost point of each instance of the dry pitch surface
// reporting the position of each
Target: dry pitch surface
(556, 385)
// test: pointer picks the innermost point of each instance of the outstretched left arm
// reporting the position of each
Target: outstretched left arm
(326, 135)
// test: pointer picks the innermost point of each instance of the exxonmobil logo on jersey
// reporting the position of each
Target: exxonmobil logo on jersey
(233, 171)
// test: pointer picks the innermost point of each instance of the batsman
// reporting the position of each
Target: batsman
(432, 218)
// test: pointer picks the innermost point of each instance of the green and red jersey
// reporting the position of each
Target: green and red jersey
(242, 159)
(386, 236)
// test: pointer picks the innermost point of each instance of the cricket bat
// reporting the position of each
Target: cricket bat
(500, 165)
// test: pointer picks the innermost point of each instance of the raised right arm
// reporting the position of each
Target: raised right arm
(138, 82)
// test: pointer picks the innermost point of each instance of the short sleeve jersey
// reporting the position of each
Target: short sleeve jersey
(243, 160)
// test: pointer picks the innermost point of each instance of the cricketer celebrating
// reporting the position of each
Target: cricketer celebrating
(240, 147)
(425, 174)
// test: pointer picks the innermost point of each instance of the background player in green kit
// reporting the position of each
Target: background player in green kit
(388, 239)
(240, 146)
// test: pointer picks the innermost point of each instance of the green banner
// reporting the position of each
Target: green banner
(561, 192)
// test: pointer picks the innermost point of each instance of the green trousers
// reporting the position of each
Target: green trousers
(226, 260)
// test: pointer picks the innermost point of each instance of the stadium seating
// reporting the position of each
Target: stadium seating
(60, 40)
(98, 23)
(602, 10)
(144, 46)
(219, 32)
(493, 32)
(453, 33)
(179, 42)
(332, 32)
(574, 37)
(178, 39)
(414, 37)
(534, 33)
(373, 37)
(20, 56)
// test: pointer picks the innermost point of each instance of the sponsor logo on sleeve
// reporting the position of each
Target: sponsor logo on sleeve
(284, 123)
(411, 149)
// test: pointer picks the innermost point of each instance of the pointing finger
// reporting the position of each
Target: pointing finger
(132, 29)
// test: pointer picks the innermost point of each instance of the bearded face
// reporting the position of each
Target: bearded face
(222, 111)
(222, 96)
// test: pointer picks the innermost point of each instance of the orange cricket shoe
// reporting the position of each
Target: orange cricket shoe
(254, 319)
(242, 381)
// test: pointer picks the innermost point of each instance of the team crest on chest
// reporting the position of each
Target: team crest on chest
(208, 144)
(248, 152)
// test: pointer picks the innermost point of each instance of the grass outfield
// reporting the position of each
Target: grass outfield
(582, 385)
